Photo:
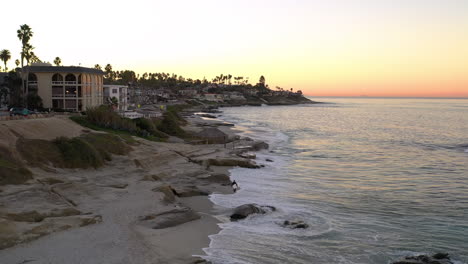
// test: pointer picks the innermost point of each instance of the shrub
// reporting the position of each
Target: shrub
(78, 153)
(170, 125)
(103, 116)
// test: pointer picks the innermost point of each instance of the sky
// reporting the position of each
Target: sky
(408, 48)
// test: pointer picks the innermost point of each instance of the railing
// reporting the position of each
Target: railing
(32, 83)
(67, 82)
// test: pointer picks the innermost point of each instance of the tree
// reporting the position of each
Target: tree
(24, 34)
(57, 61)
(5, 56)
(27, 54)
(33, 58)
(108, 70)
(262, 81)
(97, 67)
(17, 62)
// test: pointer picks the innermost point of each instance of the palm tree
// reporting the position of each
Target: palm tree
(108, 70)
(24, 34)
(27, 54)
(5, 56)
(98, 67)
(17, 62)
(57, 61)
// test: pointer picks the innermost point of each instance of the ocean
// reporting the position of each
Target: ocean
(376, 179)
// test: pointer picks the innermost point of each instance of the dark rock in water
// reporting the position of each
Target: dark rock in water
(207, 115)
(260, 145)
(269, 160)
(245, 210)
(439, 258)
(295, 224)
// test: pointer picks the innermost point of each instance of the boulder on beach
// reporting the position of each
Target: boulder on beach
(245, 210)
(439, 258)
(170, 218)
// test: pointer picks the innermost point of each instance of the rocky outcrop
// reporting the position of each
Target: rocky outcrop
(169, 194)
(439, 258)
(232, 163)
(220, 178)
(170, 218)
(259, 145)
(245, 210)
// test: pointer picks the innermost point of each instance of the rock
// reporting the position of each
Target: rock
(168, 192)
(118, 185)
(233, 163)
(245, 210)
(151, 178)
(247, 155)
(269, 160)
(207, 115)
(34, 216)
(439, 258)
(190, 191)
(295, 224)
(90, 220)
(51, 181)
(220, 178)
(170, 218)
(259, 146)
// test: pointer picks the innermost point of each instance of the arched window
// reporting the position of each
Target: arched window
(70, 78)
(57, 78)
(32, 77)
(80, 79)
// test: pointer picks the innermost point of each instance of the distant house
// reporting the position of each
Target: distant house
(235, 96)
(188, 93)
(214, 97)
(120, 92)
(65, 87)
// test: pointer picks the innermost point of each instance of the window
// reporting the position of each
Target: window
(114, 90)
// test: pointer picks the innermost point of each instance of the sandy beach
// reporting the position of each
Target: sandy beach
(150, 206)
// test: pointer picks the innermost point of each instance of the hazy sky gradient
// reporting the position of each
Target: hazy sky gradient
(333, 47)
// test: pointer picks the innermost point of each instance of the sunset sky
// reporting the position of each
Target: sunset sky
(324, 48)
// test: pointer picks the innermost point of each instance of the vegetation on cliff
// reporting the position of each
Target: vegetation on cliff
(87, 151)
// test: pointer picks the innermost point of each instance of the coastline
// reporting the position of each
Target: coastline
(117, 205)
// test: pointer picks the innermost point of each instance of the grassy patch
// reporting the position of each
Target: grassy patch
(90, 150)
(12, 171)
(105, 119)
(124, 135)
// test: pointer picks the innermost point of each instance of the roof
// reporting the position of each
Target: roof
(211, 133)
(64, 69)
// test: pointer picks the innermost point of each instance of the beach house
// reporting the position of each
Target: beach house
(70, 88)
(120, 93)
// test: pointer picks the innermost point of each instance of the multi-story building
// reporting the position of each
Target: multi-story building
(69, 88)
(120, 92)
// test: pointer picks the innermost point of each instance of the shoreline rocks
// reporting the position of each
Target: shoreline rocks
(245, 210)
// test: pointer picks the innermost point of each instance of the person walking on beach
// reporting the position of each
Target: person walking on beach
(235, 186)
